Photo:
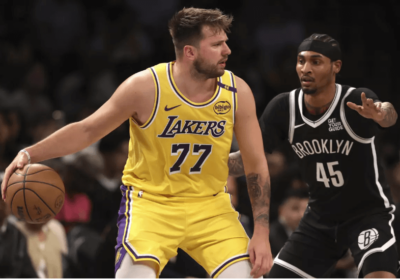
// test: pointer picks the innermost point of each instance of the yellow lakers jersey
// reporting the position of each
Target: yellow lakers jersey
(183, 149)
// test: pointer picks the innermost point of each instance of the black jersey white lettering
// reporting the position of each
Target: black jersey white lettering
(336, 152)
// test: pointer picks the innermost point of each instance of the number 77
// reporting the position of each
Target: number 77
(184, 151)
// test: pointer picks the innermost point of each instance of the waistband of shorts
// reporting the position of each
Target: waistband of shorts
(138, 192)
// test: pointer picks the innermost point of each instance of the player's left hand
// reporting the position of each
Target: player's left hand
(368, 109)
(260, 254)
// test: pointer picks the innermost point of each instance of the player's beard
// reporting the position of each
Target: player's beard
(309, 91)
(206, 69)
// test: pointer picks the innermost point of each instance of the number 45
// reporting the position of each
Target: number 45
(336, 175)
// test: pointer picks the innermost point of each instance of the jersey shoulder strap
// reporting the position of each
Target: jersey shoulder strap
(293, 95)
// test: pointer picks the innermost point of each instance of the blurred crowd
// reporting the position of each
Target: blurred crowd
(62, 59)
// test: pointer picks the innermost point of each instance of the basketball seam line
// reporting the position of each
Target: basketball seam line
(32, 173)
(35, 182)
(26, 206)
(42, 201)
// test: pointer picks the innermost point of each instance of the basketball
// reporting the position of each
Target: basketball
(35, 193)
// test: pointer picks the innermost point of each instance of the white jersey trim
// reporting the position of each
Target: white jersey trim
(327, 114)
(292, 115)
(384, 246)
(378, 184)
(346, 124)
(292, 268)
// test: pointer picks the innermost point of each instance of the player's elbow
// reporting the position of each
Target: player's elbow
(87, 133)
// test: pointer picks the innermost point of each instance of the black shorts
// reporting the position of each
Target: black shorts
(315, 247)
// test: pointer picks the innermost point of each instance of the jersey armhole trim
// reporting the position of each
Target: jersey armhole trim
(292, 115)
(347, 125)
(156, 101)
(234, 96)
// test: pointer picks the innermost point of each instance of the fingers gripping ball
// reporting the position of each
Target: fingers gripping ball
(35, 193)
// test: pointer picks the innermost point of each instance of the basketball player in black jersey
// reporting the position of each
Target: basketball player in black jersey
(334, 140)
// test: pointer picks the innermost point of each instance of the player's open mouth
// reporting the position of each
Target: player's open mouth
(223, 62)
(306, 80)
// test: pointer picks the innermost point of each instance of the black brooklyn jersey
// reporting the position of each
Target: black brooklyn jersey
(336, 151)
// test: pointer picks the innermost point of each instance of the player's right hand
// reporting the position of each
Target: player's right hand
(18, 163)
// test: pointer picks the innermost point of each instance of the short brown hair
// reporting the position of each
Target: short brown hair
(186, 25)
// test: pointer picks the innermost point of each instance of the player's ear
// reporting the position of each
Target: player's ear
(190, 52)
(337, 65)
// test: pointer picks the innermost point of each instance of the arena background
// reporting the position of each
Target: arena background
(61, 59)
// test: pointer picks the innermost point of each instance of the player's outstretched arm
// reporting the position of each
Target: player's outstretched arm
(79, 135)
(248, 135)
(382, 113)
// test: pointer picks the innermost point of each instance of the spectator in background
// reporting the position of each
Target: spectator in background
(30, 98)
(4, 136)
(105, 194)
(60, 26)
(290, 212)
(12, 136)
(246, 222)
(79, 170)
(14, 258)
(44, 247)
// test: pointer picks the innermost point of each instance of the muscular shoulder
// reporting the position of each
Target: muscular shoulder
(141, 84)
(277, 107)
(139, 94)
(281, 101)
(274, 122)
(242, 87)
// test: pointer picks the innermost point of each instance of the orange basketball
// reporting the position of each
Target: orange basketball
(35, 194)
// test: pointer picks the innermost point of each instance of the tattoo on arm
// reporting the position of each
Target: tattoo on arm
(260, 194)
(390, 115)
(235, 164)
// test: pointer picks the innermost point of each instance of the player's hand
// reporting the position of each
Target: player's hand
(18, 163)
(260, 253)
(368, 109)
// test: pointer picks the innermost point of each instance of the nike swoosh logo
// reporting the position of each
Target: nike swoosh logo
(297, 126)
(169, 109)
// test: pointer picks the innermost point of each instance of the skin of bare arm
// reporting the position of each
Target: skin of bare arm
(133, 98)
(383, 113)
(248, 135)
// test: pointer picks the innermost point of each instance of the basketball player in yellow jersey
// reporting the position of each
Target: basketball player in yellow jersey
(182, 117)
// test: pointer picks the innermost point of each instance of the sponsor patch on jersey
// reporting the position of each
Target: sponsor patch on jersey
(367, 238)
(334, 125)
(222, 107)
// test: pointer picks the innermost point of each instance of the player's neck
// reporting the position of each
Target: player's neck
(196, 88)
(320, 101)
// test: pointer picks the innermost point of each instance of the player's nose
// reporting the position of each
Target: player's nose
(227, 50)
(306, 67)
